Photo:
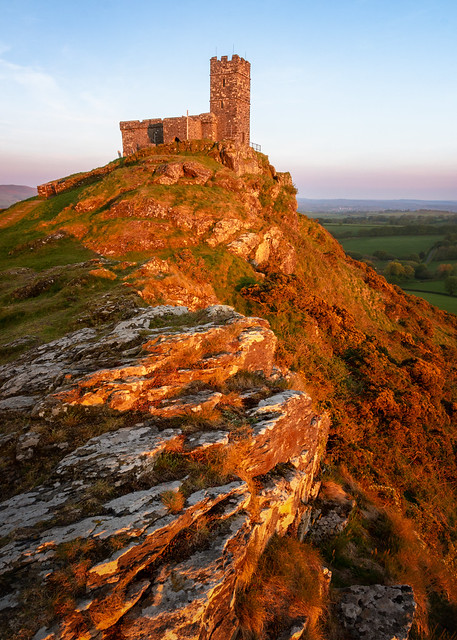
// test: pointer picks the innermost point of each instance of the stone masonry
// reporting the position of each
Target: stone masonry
(230, 97)
(228, 119)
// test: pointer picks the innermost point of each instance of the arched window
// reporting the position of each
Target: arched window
(223, 82)
(222, 104)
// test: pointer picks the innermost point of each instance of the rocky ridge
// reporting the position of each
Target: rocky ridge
(136, 584)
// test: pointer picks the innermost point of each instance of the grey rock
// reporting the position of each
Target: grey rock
(206, 439)
(26, 444)
(377, 612)
(193, 403)
(18, 403)
(131, 449)
(9, 602)
(329, 525)
(44, 634)
(26, 509)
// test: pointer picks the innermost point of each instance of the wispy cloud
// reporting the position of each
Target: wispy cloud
(37, 82)
(36, 89)
(27, 76)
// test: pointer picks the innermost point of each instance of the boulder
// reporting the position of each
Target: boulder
(377, 612)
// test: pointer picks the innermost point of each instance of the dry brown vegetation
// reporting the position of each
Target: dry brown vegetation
(287, 586)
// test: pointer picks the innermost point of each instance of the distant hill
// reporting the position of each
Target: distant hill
(343, 205)
(11, 193)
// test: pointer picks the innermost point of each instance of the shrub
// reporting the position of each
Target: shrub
(444, 270)
(173, 500)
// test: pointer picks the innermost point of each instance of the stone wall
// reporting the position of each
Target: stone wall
(138, 134)
(55, 187)
(203, 126)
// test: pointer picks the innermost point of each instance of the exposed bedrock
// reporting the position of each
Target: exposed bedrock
(153, 523)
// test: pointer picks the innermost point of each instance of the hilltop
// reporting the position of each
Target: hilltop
(92, 344)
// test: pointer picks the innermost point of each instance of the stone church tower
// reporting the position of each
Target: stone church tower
(228, 119)
(230, 94)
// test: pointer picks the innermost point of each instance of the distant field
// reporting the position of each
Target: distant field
(336, 229)
(447, 303)
(434, 286)
(400, 246)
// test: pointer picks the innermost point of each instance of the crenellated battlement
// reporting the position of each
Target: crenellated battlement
(224, 65)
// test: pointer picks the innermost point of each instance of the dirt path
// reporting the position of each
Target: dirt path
(19, 211)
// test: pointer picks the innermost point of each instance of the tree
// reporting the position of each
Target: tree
(395, 269)
(421, 272)
(398, 271)
(450, 284)
(444, 270)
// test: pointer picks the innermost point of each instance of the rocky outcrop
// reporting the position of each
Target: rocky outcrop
(239, 158)
(330, 513)
(232, 198)
(266, 249)
(159, 279)
(152, 523)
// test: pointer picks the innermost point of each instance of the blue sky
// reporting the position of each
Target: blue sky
(356, 98)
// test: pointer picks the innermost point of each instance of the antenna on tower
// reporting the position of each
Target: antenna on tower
(233, 49)
(216, 52)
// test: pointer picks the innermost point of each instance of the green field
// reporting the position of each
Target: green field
(399, 246)
(442, 301)
(433, 286)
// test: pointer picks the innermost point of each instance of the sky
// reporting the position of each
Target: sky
(356, 98)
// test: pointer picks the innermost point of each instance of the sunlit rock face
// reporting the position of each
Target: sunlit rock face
(180, 452)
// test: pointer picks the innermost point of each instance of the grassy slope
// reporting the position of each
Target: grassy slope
(382, 363)
(46, 288)
(402, 247)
